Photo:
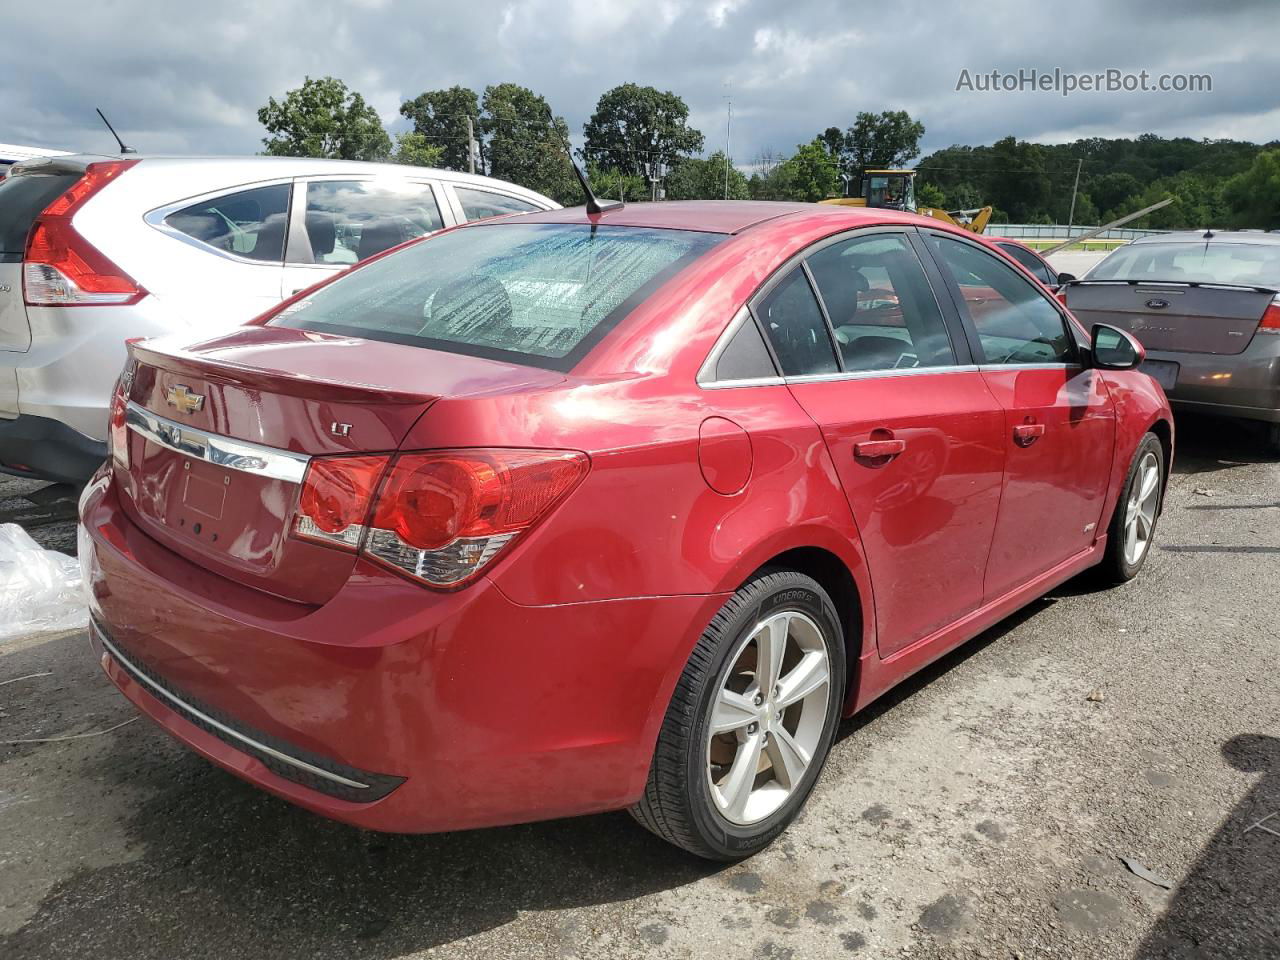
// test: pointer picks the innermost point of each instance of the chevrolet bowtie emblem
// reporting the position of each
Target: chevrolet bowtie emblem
(181, 397)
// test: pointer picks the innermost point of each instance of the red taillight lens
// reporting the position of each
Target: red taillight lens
(443, 516)
(62, 269)
(117, 428)
(336, 495)
(1270, 322)
(440, 517)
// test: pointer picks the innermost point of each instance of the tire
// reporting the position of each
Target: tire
(693, 798)
(1119, 564)
(1273, 438)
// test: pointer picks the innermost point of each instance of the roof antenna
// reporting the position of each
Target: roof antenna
(593, 205)
(123, 148)
(1208, 234)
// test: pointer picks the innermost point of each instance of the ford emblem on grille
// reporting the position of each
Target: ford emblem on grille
(181, 397)
(1157, 304)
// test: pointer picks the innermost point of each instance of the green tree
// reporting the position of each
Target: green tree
(887, 139)
(704, 179)
(525, 144)
(635, 125)
(414, 149)
(441, 117)
(1253, 197)
(616, 185)
(322, 118)
(810, 174)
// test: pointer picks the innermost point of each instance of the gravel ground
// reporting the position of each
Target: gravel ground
(982, 810)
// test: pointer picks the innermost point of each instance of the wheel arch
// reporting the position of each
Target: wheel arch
(835, 577)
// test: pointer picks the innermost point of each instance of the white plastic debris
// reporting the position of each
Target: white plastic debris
(40, 590)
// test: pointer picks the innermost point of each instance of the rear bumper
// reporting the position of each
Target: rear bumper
(48, 450)
(1240, 385)
(470, 710)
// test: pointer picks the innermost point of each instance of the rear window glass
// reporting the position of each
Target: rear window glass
(21, 200)
(535, 293)
(250, 224)
(1255, 264)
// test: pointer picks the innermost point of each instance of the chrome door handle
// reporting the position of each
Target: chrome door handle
(1025, 434)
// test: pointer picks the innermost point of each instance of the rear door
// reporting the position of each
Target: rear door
(1059, 423)
(913, 430)
(241, 233)
(339, 221)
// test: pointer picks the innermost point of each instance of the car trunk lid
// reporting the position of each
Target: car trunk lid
(1179, 317)
(221, 434)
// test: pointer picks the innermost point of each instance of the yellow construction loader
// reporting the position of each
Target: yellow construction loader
(896, 190)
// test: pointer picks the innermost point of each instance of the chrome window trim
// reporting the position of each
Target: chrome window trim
(160, 691)
(994, 367)
(883, 374)
(156, 218)
(752, 382)
(212, 448)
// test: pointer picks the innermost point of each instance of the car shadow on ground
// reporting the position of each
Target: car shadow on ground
(1206, 445)
(1237, 876)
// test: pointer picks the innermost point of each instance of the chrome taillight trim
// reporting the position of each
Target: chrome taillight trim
(186, 708)
(222, 451)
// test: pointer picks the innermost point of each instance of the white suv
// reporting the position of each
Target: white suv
(95, 251)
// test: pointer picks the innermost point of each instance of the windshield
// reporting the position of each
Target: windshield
(536, 293)
(1253, 264)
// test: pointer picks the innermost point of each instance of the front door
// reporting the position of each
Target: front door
(1059, 423)
(911, 426)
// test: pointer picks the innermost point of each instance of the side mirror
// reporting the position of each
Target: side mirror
(1066, 277)
(1114, 349)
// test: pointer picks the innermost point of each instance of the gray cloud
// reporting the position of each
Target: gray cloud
(190, 79)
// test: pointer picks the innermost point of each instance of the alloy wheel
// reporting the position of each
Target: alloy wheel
(768, 718)
(1140, 513)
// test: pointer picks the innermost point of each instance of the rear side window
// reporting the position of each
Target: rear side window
(478, 204)
(533, 293)
(22, 199)
(351, 220)
(250, 223)
(880, 305)
(793, 319)
(1015, 322)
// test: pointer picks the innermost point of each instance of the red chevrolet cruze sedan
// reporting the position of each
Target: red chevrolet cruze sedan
(566, 513)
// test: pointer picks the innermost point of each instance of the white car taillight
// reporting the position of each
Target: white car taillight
(60, 268)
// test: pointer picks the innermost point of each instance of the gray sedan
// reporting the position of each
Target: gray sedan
(1207, 308)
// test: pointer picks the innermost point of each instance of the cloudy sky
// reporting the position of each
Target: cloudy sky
(182, 82)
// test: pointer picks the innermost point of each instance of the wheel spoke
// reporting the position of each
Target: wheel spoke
(738, 785)
(771, 646)
(732, 711)
(805, 677)
(1150, 478)
(788, 758)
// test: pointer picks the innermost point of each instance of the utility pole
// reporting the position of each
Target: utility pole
(1071, 217)
(471, 147)
(728, 125)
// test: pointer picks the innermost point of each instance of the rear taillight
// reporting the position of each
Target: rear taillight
(336, 494)
(60, 267)
(1270, 322)
(439, 517)
(117, 427)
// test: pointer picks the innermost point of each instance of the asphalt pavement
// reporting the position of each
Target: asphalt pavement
(981, 810)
